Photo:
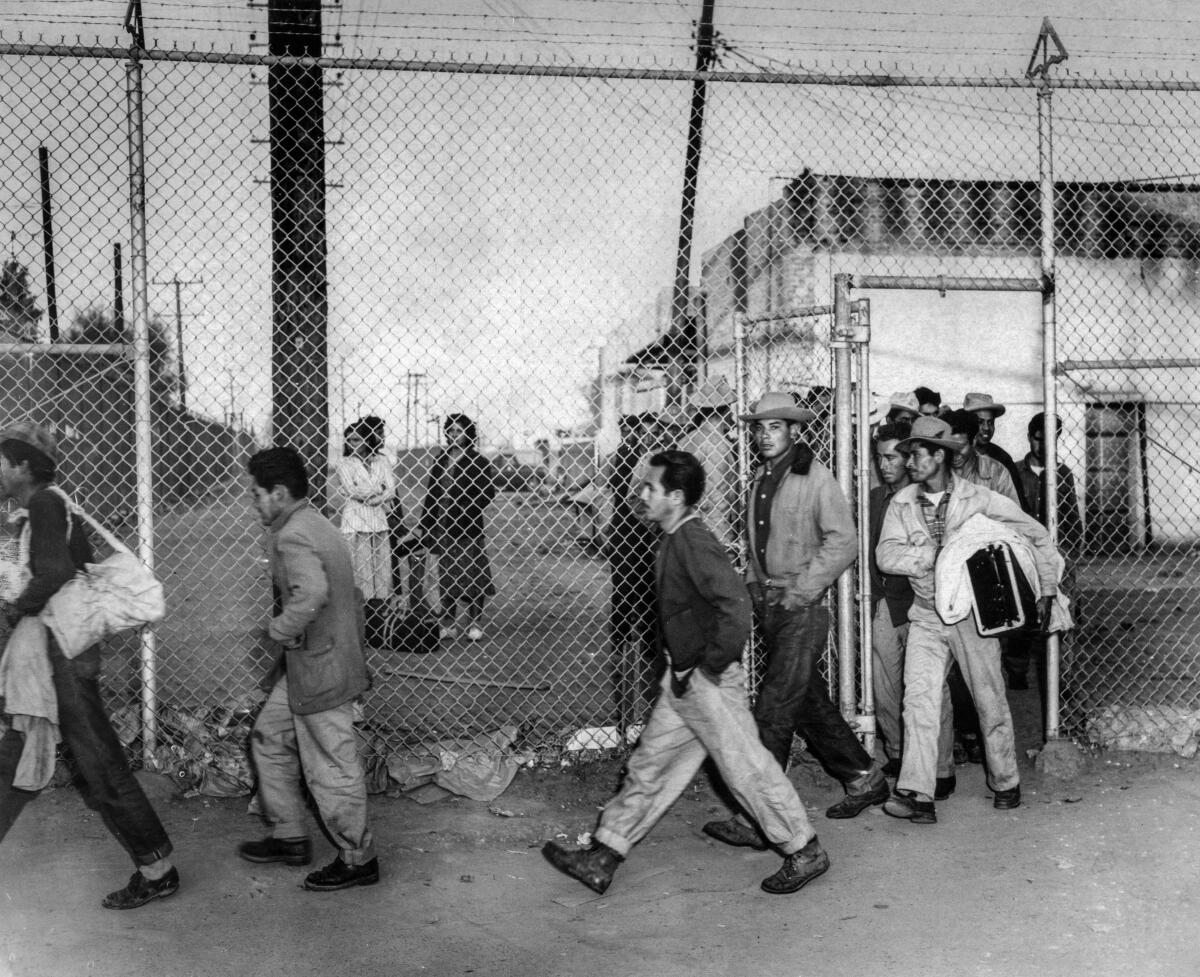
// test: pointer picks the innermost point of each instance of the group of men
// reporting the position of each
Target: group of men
(933, 510)
(303, 742)
(942, 495)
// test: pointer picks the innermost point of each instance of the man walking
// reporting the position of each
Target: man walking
(800, 535)
(892, 596)
(305, 733)
(57, 545)
(701, 709)
(921, 519)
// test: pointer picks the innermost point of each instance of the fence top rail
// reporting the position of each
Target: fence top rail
(864, 79)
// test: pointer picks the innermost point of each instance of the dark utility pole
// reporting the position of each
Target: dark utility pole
(48, 242)
(683, 327)
(181, 369)
(300, 307)
(118, 294)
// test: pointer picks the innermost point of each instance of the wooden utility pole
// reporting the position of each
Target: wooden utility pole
(48, 242)
(299, 299)
(181, 369)
(684, 333)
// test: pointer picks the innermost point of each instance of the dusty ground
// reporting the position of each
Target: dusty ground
(1094, 875)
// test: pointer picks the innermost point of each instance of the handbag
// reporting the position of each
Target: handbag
(102, 599)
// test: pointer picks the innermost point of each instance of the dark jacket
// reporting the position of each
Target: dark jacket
(896, 589)
(54, 555)
(319, 623)
(703, 606)
(457, 493)
(1070, 526)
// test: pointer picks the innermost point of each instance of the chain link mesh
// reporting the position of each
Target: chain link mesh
(501, 247)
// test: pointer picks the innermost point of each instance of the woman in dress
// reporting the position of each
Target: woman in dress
(461, 485)
(368, 485)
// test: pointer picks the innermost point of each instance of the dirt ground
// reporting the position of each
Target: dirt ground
(1095, 874)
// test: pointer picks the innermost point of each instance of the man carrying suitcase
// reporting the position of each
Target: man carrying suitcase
(919, 521)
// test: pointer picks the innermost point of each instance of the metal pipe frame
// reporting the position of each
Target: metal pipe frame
(843, 437)
(141, 383)
(741, 384)
(1045, 106)
(947, 283)
(879, 79)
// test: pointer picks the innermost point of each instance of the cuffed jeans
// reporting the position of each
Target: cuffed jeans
(931, 644)
(99, 757)
(887, 652)
(321, 746)
(794, 698)
(712, 718)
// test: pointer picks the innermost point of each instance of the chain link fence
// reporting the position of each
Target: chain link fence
(339, 241)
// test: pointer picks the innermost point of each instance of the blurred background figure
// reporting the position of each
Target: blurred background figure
(368, 485)
(711, 441)
(462, 483)
(629, 546)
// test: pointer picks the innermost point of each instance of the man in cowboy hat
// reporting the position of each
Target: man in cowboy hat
(985, 408)
(800, 537)
(903, 406)
(710, 441)
(921, 519)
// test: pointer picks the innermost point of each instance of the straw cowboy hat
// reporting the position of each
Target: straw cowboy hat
(34, 435)
(983, 402)
(929, 430)
(713, 394)
(779, 407)
(905, 400)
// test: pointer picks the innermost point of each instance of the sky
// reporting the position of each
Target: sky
(495, 234)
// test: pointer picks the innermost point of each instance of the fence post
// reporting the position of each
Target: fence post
(1049, 361)
(741, 381)
(843, 442)
(141, 381)
(861, 323)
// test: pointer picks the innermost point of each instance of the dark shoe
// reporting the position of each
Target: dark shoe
(1006, 800)
(1017, 680)
(290, 851)
(142, 890)
(973, 747)
(892, 768)
(735, 832)
(798, 870)
(960, 753)
(594, 866)
(852, 805)
(905, 806)
(944, 787)
(338, 875)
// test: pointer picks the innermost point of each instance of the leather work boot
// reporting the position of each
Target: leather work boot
(737, 833)
(1006, 800)
(944, 787)
(594, 866)
(798, 869)
(290, 851)
(853, 804)
(338, 875)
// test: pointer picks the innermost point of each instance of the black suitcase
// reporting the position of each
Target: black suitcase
(1003, 599)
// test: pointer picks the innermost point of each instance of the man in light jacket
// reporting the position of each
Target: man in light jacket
(701, 711)
(919, 520)
(800, 538)
(305, 730)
